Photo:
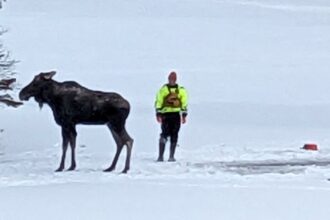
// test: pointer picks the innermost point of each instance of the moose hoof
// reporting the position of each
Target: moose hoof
(71, 168)
(60, 169)
(109, 169)
(160, 159)
(171, 159)
(125, 170)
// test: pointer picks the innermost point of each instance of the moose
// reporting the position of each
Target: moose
(74, 104)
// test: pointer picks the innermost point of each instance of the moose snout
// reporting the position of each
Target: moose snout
(23, 96)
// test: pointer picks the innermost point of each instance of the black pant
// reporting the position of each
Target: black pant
(171, 123)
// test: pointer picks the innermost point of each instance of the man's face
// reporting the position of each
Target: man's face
(171, 82)
(172, 78)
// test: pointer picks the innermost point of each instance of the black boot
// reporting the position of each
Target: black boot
(172, 151)
(161, 150)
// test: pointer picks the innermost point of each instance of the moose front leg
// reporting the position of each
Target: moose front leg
(64, 149)
(72, 142)
(65, 143)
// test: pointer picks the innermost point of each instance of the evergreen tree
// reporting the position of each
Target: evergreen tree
(7, 79)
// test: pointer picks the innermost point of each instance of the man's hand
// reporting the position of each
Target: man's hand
(159, 117)
(183, 119)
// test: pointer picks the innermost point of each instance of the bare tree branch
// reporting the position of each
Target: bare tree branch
(7, 82)
(5, 88)
(11, 103)
(6, 96)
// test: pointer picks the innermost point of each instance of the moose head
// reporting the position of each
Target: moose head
(36, 87)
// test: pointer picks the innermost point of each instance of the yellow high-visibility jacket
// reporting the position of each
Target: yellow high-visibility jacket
(163, 93)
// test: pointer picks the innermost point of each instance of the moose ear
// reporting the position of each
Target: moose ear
(48, 75)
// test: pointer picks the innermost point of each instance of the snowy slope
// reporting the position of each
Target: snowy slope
(257, 76)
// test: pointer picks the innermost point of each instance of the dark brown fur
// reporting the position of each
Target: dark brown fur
(74, 104)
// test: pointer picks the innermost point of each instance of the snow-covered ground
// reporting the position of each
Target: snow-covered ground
(257, 73)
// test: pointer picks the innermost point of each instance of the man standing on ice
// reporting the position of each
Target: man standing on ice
(171, 110)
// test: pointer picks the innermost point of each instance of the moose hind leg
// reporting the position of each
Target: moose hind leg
(119, 144)
(129, 145)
